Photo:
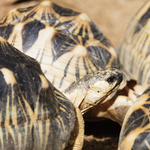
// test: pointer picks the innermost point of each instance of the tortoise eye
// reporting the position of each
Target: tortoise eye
(96, 90)
(111, 79)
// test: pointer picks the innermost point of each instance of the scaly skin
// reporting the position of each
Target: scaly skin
(93, 88)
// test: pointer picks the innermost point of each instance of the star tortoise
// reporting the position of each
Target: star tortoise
(33, 113)
(135, 46)
(68, 46)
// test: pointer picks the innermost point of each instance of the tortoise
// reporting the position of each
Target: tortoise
(135, 46)
(33, 113)
(68, 46)
(136, 125)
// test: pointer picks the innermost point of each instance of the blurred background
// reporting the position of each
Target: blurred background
(112, 17)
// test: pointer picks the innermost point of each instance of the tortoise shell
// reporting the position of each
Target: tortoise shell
(134, 50)
(33, 114)
(136, 47)
(67, 44)
(136, 126)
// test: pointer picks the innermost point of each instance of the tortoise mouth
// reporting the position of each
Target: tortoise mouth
(88, 107)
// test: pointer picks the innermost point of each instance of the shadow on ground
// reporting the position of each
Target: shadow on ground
(101, 135)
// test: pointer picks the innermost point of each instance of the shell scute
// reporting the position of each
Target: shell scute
(31, 108)
(61, 46)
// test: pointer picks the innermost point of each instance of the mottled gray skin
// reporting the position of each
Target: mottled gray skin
(93, 88)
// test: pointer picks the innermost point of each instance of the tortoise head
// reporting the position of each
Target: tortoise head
(94, 88)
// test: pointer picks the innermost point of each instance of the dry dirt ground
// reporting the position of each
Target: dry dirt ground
(112, 17)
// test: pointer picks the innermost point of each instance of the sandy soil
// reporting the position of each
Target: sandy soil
(112, 17)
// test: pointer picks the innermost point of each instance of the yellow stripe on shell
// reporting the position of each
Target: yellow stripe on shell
(8, 76)
(44, 82)
(130, 138)
(40, 127)
(7, 116)
(15, 37)
(20, 141)
(47, 132)
(11, 132)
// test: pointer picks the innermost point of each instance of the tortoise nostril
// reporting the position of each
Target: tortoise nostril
(111, 79)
